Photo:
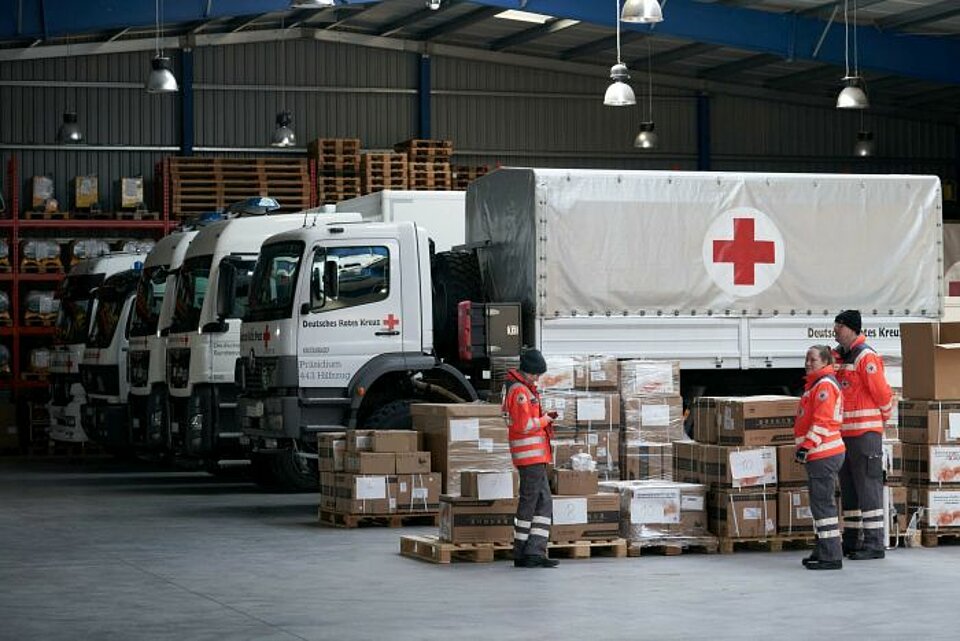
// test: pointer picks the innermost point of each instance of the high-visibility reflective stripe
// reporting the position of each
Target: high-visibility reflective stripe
(799, 440)
(531, 425)
(539, 532)
(861, 426)
(888, 407)
(851, 513)
(520, 536)
(546, 520)
(817, 440)
(830, 381)
(822, 431)
(863, 352)
(872, 513)
(853, 525)
(861, 413)
(828, 534)
(873, 525)
(835, 444)
(848, 366)
(828, 521)
(529, 453)
(521, 523)
(524, 442)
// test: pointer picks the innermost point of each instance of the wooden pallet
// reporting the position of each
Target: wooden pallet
(5, 319)
(463, 175)
(124, 214)
(29, 266)
(323, 147)
(339, 183)
(39, 377)
(425, 149)
(92, 215)
(5, 267)
(338, 519)
(46, 215)
(431, 549)
(770, 544)
(930, 538)
(34, 319)
(681, 545)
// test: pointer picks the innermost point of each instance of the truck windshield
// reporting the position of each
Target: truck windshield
(76, 299)
(242, 273)
(106, 319)
(191, 292)
(146, 307)
(274, 282)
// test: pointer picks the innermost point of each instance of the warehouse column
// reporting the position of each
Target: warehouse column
(703, 132)
(186, 102)
(423, 97)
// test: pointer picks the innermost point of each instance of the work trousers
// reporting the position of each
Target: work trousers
(861, 493)
(531, 526)
(822, 481)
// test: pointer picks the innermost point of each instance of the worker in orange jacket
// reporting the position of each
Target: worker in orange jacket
(867, 405)
(530, 433)
(820, 449)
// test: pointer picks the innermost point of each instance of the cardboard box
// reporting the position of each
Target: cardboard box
(598, 410)
(649, 378)
(647, 461)
(687, 462)
(573, 483)
(42, 190)
(418, 492)
(359, 440)
(596, 373)
(585, 518)
(939, 508)
(559, 374)
(931, 360)
(653, 419)
(927, 464)
(743, 514)
(603, 447)
(897, 496)
(397, 441)
(468, 520)
(705, 419)
(931, 422)
(462, 436)
(328, 491)
(564, 403)
(331, 448)
(793, 511)
(756, 420)
(365, 494)
(413, 462)
(651, 510)
(789, 472)
(86, 193)
(131, 192)
(893, 460)
(488, 486)
(738, 467)
(370, 463)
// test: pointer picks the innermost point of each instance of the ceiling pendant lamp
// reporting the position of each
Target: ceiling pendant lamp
(283, 135)
(619, 93)
(312, 4)
(69, 132)
(647, 138)
(853, 95)
(864, 147)
(642, 11)
(161, 78)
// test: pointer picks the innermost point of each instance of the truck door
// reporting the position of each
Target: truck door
(355, 304)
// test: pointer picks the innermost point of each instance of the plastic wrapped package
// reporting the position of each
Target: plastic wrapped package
(649, 378)
(4, 304)
(603, 447)
(42, 302)
(596, 372)
(4, 252)
(4, 360)
(42, 192)
(654, 419)
(661, 512)
(646, 461)
(40, 250)
(40, 360)
(138, 246)
(560, 373)
(84, 248)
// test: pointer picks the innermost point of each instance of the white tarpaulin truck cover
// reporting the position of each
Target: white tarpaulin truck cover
(574, 242)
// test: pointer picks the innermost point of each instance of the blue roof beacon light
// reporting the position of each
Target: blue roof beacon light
(257, 206)
(138, 266)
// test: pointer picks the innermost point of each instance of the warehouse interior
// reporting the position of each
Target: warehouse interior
(127, 128)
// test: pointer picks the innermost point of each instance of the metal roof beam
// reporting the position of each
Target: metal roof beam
(921, 16)
(674, 55)
(533, 33)
(830, 6)
(601, 45)
(411, 19)
(810, 75)
(739, 66)
(467, 20)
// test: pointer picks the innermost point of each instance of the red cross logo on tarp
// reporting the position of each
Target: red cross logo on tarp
(744, 251)
(391, 321)
(266, 336)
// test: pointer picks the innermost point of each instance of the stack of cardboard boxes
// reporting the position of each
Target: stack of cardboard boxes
(375, 473)
(652, 418)
(657, 513)
(930, 423)
(739, 441)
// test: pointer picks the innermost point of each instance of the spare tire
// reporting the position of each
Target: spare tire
(456, 278)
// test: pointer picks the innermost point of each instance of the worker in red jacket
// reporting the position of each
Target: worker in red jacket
(530, 433)
(820, 448)
(867, 405)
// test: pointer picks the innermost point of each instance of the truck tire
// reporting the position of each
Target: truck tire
(456, 277)
(394, 415)
(295, 473)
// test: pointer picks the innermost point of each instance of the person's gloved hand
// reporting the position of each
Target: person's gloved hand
(801, 455)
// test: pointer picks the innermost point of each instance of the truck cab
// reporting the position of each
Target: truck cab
(103, 370)
(338, 332)
(149, 323)
(77, 308)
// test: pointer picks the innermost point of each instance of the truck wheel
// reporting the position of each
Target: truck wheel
(295, 473)
(456, 277)
(394, 415)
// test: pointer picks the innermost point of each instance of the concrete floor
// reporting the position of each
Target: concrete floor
(108, 551)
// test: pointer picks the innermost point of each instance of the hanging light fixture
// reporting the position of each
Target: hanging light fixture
(433, 5)
(69, 133)
(619, 93)
(161, 78)
(853, 95)
(647, 138)
(283, 135)
(864, 146)
(312, 4)
(642, 11)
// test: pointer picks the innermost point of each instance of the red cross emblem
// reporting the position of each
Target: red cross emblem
(744, 251)
(266, 336)
(391, 321)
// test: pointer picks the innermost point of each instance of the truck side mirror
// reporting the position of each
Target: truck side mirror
(331, 278)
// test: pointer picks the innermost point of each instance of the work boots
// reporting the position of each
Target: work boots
(866, 555)
(535, 562)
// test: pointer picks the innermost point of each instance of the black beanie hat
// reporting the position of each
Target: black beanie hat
(850, 318)
(532, 362)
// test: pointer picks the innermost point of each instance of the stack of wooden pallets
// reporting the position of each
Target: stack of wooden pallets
(383, 171)
(338, 168)
(201, 185)
(428, 163)
(463, 175)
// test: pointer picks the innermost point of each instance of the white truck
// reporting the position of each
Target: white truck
(103, 371)
(734, 275)
(147, 356)
(77, 307)
(204, 338)
(442, 212)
